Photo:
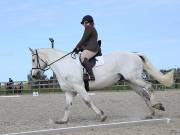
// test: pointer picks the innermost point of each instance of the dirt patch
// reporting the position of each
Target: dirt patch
(28, 113)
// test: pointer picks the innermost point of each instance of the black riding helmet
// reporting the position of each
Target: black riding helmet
(87, 18)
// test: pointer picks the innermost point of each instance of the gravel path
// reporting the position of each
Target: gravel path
(27, 113)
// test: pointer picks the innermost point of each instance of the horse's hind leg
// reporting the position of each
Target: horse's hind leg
(69, 99)
(86, 98)
(141, 89)
(148, 88)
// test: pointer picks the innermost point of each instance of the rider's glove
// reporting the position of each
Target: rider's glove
(76, 50)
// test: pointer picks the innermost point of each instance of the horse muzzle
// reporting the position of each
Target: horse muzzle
(37, 75)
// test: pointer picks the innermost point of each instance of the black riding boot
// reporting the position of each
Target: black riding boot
(88, 68)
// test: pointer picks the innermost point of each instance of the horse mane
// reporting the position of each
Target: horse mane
(51, 51)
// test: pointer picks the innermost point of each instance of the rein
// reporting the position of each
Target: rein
(59, 59)
(48, 65)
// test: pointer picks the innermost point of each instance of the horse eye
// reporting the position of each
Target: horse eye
(33, 60)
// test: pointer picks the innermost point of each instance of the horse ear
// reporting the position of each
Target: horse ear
(32, 51)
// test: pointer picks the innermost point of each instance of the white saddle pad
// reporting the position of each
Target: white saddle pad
(100, 61)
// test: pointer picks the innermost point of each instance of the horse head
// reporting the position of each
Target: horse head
(38, 64)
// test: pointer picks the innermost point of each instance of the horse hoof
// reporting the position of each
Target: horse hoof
(61, 122)
(159, 106)
(162, 108)
(149, 117)
(103, 118)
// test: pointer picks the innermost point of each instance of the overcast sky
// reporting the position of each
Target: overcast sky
(151, 27)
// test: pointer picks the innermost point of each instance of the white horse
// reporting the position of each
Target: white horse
(117, 65)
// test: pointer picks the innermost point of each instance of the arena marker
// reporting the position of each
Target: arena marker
(69, 129)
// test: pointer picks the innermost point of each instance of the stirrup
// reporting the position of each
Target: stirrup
(87, 77)
(92, 78)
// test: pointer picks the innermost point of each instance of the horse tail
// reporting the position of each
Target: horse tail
(165, 79)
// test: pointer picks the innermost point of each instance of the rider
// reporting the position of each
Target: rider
(88, 44)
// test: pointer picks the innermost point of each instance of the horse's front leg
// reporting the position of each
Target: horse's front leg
(86, 98)
(69, 99)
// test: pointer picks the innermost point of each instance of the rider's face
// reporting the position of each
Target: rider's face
(86, 23)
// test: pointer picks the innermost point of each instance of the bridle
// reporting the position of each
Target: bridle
(47, 66)
(38, 66)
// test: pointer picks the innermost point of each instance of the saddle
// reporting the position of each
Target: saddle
(92, 62)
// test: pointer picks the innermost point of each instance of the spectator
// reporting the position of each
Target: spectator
(10, 81)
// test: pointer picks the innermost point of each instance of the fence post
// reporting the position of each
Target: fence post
(39, 85)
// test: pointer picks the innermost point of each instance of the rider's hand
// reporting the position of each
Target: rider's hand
(76, 50)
